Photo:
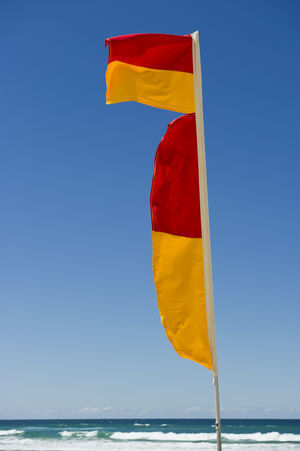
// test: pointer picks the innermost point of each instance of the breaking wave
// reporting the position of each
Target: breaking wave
(207, 437)
(79, 434)
(11, 432)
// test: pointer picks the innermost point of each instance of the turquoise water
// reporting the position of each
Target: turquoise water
(150, 434)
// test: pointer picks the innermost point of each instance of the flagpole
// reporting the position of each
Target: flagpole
(205, 226)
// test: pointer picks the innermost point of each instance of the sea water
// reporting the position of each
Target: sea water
(154, 434)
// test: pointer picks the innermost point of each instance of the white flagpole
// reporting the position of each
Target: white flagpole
(205, 226)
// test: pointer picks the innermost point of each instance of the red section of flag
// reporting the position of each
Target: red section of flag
(155, 51)
(174, 202)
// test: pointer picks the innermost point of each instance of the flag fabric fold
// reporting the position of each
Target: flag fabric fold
(153, 69)
(177, 242)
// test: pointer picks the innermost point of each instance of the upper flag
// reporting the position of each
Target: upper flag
(178, 265)
(154, 69)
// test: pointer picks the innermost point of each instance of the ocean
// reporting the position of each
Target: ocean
(147, 434)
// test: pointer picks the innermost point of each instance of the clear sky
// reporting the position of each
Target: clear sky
(80, 333)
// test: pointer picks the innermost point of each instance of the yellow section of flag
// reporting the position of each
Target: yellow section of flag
(166, 89)
(179, 279)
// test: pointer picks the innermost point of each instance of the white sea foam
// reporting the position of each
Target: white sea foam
(11, 432)
(206, 437)
(142, 424)
(260, 437)
(165, 424)
(162, 436)
(20, 444)
(66, 433)
(78, 434)
(91, 433)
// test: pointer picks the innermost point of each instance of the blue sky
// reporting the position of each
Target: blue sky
(80, 332)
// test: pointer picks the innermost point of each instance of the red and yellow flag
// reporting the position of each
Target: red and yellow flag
(157, 70)
(177, 242)
(154, 69)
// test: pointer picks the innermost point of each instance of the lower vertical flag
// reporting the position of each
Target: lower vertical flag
(177, 242)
